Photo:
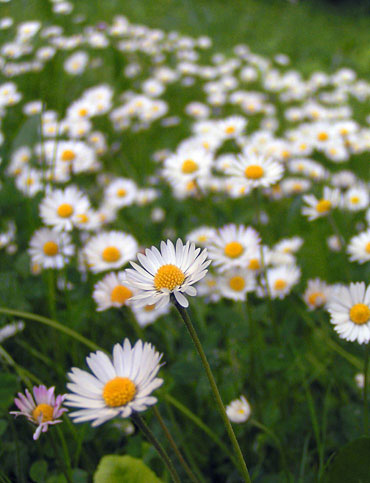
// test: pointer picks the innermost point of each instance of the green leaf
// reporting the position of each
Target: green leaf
(351, 464)
(38, 471)
(116, 469)
(8, 388)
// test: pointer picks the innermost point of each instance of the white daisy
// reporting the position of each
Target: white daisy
(117, 387)
(357, 198)
(317, 293)
(235, 284)
(318, 208)
(359, 247)
(255, 170)
(239, 410)
(349, 312)
(50, 249)
(121, 192)
(281, 280)
(201, 236)
(60, 208)
(148, 314)
(111, 291)
(232, 246)
(110, 250)
(169, 271)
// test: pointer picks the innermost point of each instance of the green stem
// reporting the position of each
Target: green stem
(239, 455)
(189, 414)
(135, 324)
(61, 462)
(67, 458)
(51, 294)
(51, 323)
(23, 373)
(144, 428)
(366, 403)
(174, 446)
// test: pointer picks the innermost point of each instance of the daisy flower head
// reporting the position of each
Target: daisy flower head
(112, 291)
(317, 294)
(235, 284)
(349, 312)
(50, 249)
(60, 208)
(117, 387)
(317, 208)
(281, 280)
(201, 236)
(359, 247)
(148, 314)
(109, 250)
(239, 410)
(42, 409)
(232, 246)
(172, 270)
(356, 198)
(256, 171)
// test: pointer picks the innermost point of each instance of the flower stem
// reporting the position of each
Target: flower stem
(239, 455)
(366, 383)
(51, 323)
(174, 446)
(144, 428)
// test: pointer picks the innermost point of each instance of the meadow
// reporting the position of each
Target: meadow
(184, 241)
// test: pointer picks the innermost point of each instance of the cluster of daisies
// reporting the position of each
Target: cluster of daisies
(255, 129)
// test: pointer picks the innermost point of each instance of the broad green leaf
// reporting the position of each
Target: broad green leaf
(38, 471)
(117, 469)
(351, 464)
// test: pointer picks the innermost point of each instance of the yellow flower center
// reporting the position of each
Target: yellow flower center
(237, 283)
(111, 254)
(30, 181)
(65, 210)
(82, 112)
(230, 130)
(202, 238)
(233, 249)
(189, 166)
(254, 264)
(354, 199)
(121, 192)
(323, 206)
(119, 391)
(45, 410)
(359, 314)
(68, 155)
(316, 299)
(149, 308)
(322, 136)
(253, 172)
(169, 277)
(279, 284)
(297, 187)
(83, 218)
(190, 186)
(367, 247)
(50, 248)
(120, 294)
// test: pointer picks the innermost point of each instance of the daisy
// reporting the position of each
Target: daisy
(239, 410)
(235, 284)
(281, 280)
(60, 208)
(50, 249)
(201, 236)
(356, 198)
(173, 270)
(317, 293)
(232, 245)
(117, 387)
(109, 250)
(359, 247)
(43, 409)
(232, 126)
(112, 291)
(318, 208)
(121, 192)
(349, 312)
(256, 170)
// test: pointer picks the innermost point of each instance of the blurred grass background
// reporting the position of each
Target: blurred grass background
(316, 34)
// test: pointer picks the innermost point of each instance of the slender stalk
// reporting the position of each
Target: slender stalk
(189, 414)
(336, 230)
(51, 323)
(366, 383)
(174, 446)
(135, 324)
(239, 455)
(23, 373)
(66, 456)
(144, 428)
(51, 294)
(61, 462)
